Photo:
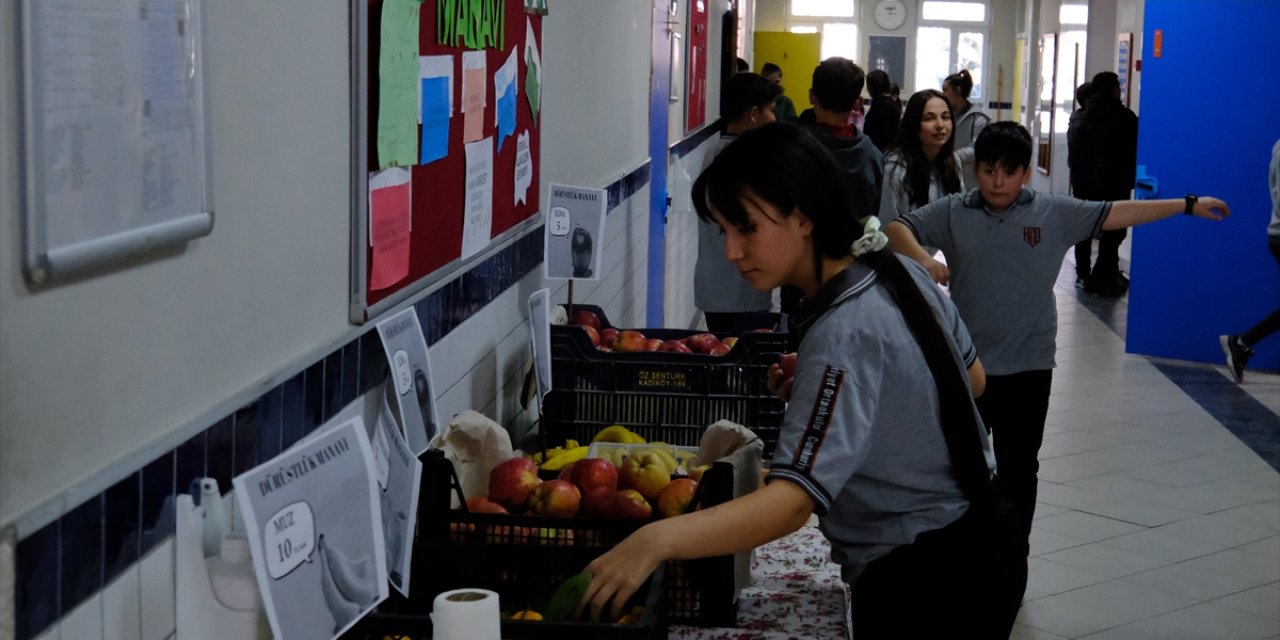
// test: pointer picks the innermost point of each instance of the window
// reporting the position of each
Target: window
(951, 36)
(834, 19)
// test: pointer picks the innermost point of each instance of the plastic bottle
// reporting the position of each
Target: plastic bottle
(231, 574)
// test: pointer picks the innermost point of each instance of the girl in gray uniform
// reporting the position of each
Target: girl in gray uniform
(902, 494)
(921, 166)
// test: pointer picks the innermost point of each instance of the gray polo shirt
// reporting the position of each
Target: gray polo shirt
(1003, 266)
(862, 434)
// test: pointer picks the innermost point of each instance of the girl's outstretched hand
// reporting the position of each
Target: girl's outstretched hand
(1211, 208)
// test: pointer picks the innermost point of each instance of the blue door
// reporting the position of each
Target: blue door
(1210, 113)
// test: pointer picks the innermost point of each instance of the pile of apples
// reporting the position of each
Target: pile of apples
(632, 341)
(638, 490)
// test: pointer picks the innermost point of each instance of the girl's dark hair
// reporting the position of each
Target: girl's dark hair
(878, 83)
(961, 81)
(912, 152)
(1003, 144)
(789, 169)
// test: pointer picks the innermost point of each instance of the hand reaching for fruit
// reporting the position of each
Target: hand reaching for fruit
(618, 573)
(782, 376)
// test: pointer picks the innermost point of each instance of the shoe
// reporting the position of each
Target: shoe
(1080, 282)
(1238, 354)
(1107, 286)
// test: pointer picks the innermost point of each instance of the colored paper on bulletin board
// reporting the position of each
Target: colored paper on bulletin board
(435, 118)
(436, 67)
(390, 193)
(474, 94)
(533, 70)
(505, 87)
(397, 84)
(477, 212)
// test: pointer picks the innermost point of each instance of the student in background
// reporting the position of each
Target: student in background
(882, 118)
(1110, 132)
(970, 118)
(902, 494)
(783, 109)
(1078, 168)
(1004, 245)
(746, 103)
(742, 66)
(921, 166)
(1239, 347)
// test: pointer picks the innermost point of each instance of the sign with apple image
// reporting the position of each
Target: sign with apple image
(574, 233)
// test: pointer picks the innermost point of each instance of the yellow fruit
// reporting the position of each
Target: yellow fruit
(565, 457)
(613, 433)
(527, 614)
(634, 438)
(633, 616)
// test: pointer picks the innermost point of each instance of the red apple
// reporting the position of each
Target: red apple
(482, 504)
(595, 503)
(628, 504)
(566, 472)
(702, 342)
(788, 365)
(675, 498)
(592, 473)
(555, 498)
(730, 341)
(677, 346)
(653, 344)
(592, 334)
(511, 482)
(720, 349)
(585, 318)
(646, 472)
(607, 336)
(631, 341)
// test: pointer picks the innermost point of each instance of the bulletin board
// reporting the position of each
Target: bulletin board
(696, 74)
(446, 138)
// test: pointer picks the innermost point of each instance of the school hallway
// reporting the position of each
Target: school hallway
(1159, 503)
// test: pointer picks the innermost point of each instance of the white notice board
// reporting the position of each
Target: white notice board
(115, 131)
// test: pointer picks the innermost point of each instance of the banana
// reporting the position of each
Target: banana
(567, 597)
(664, 452)
(612, 433)
(634, 438)
(571, 444)
(565, 457)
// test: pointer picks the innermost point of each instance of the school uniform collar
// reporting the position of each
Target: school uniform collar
(975, 200)
(853, 280)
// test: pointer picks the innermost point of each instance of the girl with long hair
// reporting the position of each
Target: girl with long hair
(921, 166)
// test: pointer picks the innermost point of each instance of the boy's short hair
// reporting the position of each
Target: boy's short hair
(769, 69)
(742, 91)
(837, 83)
(878, 83)
(1003, 144)
(1105, 84)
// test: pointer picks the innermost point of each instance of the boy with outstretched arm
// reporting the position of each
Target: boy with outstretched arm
(1004, 244)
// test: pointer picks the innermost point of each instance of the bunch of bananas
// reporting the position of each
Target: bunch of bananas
(556, 458)
(618, 433)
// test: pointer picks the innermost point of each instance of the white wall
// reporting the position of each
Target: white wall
(98, 371)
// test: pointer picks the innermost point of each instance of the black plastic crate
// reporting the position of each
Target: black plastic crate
(697, 592)
(523, 580)
(663, 396)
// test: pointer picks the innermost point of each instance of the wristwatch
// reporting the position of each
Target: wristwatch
(1191, 203)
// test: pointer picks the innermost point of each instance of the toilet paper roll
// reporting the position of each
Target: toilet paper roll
(466, 614)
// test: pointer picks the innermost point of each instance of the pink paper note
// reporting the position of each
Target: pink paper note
(473, 104)
(390, 234)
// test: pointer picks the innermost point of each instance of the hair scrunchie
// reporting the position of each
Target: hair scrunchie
(873, 239)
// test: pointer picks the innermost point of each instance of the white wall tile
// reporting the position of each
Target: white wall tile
(122, 606)
(7, 570)
(157, 592)
(53, 633)
(85, 622)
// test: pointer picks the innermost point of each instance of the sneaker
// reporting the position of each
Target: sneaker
(1080, 282)
(1237, 353)
(1107, 286)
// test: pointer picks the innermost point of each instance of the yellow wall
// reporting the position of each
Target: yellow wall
(797, 55)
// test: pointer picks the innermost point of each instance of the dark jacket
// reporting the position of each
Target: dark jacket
(1078, 155)
(1111, 131)
(864, 167)
(882, 120)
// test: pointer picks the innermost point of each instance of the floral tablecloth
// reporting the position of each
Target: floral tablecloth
(796, 594)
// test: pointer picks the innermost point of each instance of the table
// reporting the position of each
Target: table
(796, 594)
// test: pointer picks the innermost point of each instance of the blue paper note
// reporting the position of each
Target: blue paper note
(506, 114)
(435, 118)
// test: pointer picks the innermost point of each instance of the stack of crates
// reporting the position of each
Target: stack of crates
(664, 396)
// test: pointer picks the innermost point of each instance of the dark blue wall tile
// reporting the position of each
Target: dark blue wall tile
(294, 398)
(314, 406)
(270, 423)
(248, 439)
(332, 384)
(36, 587)
(122, 526)
(350, 372)
(80, 538)
(190, 465)
(373, 361)
(220, 452)
(157, 500)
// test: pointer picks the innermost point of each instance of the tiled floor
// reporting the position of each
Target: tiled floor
(1154, 521)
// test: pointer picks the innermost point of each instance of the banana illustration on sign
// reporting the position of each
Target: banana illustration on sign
(349, 586)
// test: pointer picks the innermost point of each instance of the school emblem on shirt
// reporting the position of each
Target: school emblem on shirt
(1031, 235)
